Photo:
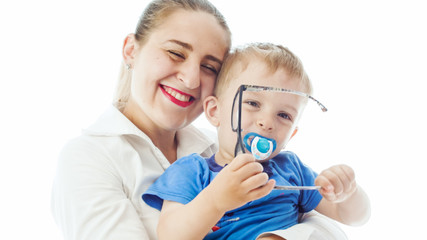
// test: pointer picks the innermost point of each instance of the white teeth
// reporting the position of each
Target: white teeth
(177, 95)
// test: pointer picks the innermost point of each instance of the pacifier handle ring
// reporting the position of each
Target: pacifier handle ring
(252, 146)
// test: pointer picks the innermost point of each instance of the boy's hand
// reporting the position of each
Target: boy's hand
(242, 181)
(337, 182)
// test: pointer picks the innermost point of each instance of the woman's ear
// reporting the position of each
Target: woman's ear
(211, 108)
(129, 46)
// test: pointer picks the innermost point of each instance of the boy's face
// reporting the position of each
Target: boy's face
(269, 114)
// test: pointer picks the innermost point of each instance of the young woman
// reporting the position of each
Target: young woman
(170, 66)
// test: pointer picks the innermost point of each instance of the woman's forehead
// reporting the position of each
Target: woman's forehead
(198, 29)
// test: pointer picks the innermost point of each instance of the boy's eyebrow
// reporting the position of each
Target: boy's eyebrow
(292, 108)
(190, 48)
(289, 108)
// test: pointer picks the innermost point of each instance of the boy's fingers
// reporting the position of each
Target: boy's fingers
(349, 174)
(345, 176)
(262, 191)
(324, 182)
(249, 169)
(241, 160)
(337, 182)
(327, 189)
(255, 181)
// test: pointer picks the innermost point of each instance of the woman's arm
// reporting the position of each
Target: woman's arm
(88, 198)
(343, 200)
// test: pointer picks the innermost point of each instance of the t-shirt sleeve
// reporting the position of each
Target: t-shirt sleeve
(181, 182)
(309, 199)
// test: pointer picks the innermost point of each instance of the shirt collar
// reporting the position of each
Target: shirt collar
(113, 123)
(191, 140)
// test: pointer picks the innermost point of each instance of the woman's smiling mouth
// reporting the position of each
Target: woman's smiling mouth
(179, 98)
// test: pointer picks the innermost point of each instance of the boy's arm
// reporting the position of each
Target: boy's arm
(190, 221)
(343, 200)
(236, 184)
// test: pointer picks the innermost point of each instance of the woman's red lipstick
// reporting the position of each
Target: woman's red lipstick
(173, 94)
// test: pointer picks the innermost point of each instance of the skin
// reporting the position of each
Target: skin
(172, 73)
(242, 180)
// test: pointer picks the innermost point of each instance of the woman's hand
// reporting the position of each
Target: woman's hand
(242, 181)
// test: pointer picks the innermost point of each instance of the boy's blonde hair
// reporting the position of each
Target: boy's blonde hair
(274, 56)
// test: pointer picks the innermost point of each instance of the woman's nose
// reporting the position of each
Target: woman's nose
(190, 75)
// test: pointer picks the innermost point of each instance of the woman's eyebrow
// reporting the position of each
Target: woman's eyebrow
(190, 48)
(212, 58)
(182, 44)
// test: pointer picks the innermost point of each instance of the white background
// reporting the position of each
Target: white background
(59, 62)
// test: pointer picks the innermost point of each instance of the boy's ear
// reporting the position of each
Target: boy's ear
(128, 51)
(211, 108)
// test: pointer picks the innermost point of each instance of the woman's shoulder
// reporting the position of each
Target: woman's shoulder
(83, 150)
(96, 152)
(193, 140)
(85, 144)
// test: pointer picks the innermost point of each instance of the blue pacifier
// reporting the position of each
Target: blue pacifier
(261, 147)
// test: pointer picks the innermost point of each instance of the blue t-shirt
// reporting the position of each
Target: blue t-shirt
(188, 176)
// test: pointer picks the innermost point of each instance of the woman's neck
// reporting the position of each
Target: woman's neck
(167, 144)
(165, 140)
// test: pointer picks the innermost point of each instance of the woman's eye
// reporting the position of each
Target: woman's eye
(176, 55)
(210, 68)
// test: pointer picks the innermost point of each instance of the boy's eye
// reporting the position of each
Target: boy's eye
(252, 103)
(285, 116)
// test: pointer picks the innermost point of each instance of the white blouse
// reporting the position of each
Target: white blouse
(102, 174)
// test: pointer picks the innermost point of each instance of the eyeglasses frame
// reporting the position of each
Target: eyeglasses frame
(256, 88)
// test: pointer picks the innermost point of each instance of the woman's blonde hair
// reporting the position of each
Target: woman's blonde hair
(153, 16)
(274, 56)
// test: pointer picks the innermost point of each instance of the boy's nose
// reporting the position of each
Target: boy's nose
(265, 124)
(190, 75)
